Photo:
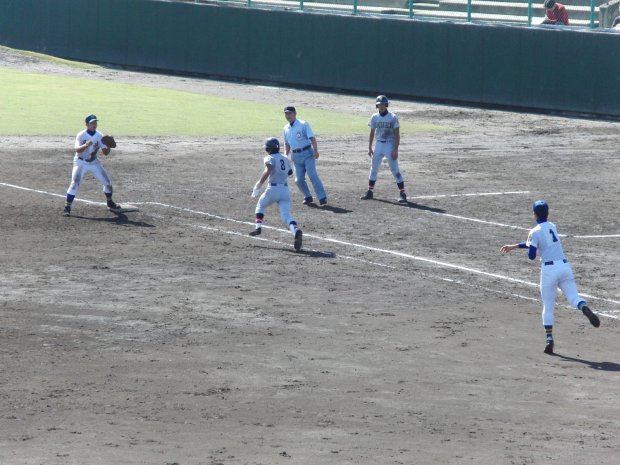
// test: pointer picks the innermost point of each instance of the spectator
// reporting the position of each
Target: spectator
(556, 13)
(616, 23)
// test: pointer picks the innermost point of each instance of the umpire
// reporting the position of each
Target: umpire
(300, 141)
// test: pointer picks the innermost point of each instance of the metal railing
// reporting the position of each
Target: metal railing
(582, 13)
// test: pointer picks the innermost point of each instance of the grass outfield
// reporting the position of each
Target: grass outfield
(46, 105)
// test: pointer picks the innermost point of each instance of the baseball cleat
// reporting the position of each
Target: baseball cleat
(66, 211)
(591, 316)
(256, 232)
(323, 201)
(549, 347)
(308, 201)
(298, 238)
(402, 198)
(113, 207)
(367, 195)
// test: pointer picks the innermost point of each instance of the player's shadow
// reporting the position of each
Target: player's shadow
(307, 253)
(602, 366)
(118, 219)
(411, 205)
(329, 208)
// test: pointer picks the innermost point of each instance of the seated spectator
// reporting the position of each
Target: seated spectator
(556, 13)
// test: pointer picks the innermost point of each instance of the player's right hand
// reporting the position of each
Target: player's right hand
(370, 152)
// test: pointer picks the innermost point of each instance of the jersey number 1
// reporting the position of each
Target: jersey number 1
(555, 239)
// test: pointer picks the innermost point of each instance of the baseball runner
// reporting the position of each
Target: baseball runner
(277, 170)
(87, 145)
(385, 128)
(555, 271)
(300, 141)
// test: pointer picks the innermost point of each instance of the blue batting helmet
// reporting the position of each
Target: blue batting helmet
(540, 209)
(272, 145)
(381, 99)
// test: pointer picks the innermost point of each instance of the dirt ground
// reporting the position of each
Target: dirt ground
(399, 335)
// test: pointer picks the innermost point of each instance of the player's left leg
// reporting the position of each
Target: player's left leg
(300, 178)
(315, 180)
(102, 176)
(400, 182)
(569, 289)
(284, 204)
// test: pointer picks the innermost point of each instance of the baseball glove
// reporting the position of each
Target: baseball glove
(109, 141)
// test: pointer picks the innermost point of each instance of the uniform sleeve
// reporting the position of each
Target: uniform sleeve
(268, 160)
(532, 239)
(77, 141)
(309, 132)
(396, 122)
(372, 123)
(284, 135)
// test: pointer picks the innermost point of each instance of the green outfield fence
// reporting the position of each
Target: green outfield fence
(582, 13)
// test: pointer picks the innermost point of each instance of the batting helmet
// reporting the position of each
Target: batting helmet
(540, 209)
(272, 145)
(381, 99)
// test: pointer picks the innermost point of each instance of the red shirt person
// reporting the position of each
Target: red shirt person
(556, 13)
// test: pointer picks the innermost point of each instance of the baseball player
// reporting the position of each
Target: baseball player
(277, 170)
(87, 145)
(300, 141)
(555, 271)
(385, 128)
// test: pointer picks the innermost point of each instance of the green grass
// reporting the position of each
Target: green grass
(51, 59)
(46, 105)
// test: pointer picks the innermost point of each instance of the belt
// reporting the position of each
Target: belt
(302, 149)
(383, 141)
(552, 262)
(275, 184)
(86, 159)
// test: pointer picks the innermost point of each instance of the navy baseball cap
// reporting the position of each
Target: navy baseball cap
(540, 207)
(90, 118)
(289, 110)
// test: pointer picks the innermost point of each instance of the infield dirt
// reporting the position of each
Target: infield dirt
(169, 336)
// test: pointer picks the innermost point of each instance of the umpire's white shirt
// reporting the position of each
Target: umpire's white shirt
(297, 136)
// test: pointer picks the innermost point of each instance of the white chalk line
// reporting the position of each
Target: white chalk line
(377, 249)
(609, 314)
(336, 241)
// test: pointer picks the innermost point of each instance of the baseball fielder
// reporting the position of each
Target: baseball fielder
(555, 271)
(385, 128)
(87, 145)
(277, 170)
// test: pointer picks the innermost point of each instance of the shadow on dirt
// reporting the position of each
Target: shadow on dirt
(411, 205)
(602, 366)
(307, 253)
(119, 219)
(329, 208)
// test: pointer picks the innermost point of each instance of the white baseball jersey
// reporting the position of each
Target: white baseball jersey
(384, 126)
(546, 239)
(280, 167)
(90, 153)
(555, 270)
(298, 135)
